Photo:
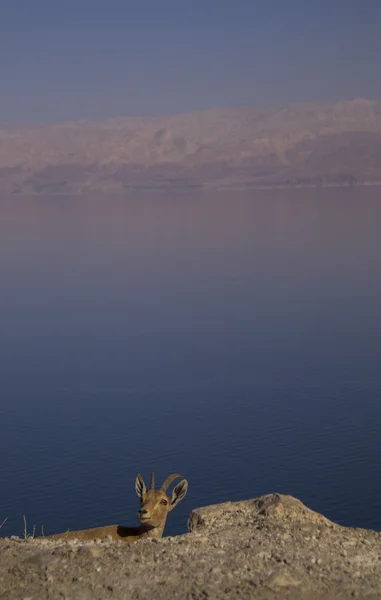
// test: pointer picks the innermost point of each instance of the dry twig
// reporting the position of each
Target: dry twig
(26, 534)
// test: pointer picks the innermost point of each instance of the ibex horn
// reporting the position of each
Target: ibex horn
(168, 481)
(152, 483)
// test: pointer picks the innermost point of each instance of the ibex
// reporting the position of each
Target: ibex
(155, 506)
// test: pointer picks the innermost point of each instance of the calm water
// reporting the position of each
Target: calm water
(234, 337)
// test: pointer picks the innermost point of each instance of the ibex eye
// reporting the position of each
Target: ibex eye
(163, 502)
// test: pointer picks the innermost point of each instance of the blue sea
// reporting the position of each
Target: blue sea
(234, 337)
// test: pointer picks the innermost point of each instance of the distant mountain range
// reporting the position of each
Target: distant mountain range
(294, 144)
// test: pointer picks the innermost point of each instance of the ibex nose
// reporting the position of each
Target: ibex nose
(143, 515)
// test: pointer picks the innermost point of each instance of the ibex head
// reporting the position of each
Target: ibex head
(155, 504)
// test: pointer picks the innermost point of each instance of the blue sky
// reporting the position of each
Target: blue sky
(70, 59)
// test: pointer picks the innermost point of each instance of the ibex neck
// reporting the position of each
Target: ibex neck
(148, 531)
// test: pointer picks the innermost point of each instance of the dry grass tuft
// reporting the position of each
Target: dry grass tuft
(26, 534)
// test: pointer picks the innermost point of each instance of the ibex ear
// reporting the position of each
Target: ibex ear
(140, 486)
(178, 493)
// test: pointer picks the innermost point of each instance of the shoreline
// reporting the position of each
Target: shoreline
(201, 188)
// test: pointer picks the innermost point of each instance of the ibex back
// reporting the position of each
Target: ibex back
(155, 506)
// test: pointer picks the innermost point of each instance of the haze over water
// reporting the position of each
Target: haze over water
(234, 337)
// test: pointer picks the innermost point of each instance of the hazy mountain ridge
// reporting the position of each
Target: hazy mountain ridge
(310, 143)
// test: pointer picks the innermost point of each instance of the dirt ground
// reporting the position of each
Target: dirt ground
(265, 548)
